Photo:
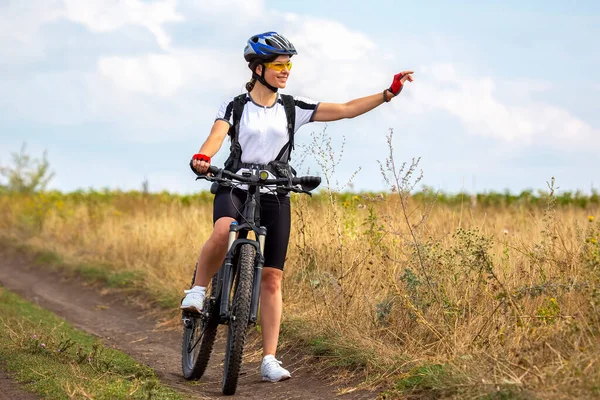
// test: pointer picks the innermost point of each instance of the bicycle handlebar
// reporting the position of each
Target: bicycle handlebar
(307, 183)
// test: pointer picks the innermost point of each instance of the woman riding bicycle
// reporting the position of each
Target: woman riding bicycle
(262, 135)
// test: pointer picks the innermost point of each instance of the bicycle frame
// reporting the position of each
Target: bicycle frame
(238, 233)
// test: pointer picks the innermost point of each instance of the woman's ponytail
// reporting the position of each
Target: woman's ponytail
(250, 85)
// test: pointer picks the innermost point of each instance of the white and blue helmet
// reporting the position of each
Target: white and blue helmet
(267, 45)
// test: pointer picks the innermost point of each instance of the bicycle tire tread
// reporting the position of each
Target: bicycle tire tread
(237, 333)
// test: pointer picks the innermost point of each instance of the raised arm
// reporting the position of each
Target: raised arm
(336, 111)
(211, 146)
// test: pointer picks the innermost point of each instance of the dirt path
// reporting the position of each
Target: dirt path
(134, 331)
(9, 390)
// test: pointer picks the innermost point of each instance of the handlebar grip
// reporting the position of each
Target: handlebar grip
(308, 183)
(213, 170)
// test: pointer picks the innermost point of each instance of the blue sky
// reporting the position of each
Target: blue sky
(505, 95)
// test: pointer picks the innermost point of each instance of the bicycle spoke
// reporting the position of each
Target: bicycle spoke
(199, 338)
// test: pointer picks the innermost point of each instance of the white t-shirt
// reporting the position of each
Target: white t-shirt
(263, 130)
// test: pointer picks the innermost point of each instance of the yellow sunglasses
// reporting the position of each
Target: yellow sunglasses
(278, 66)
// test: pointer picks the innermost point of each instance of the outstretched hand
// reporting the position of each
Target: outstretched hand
(398, 81)
(200, 163)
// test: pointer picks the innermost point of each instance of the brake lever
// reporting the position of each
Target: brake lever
(299, 190)
(208, 178)
(212, 178)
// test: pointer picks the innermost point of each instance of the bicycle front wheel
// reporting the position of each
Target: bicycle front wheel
(239, 317)
(199, 334)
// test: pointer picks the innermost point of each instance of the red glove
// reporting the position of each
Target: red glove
(397, 84)
(201, 157)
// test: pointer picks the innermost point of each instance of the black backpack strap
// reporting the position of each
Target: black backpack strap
(238, 108)
(235, 150)
(290, 113)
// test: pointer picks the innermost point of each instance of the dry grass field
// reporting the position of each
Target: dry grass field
(458, 297)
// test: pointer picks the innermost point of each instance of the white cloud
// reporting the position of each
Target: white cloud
(154, 74)
(209, 9)
(20, 22)
(54, 98)
(475, 102)
(334, 62)
(110, 15)
(329, 39)
(176, 72)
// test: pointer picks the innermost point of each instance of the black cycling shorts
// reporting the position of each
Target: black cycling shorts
(275, 215)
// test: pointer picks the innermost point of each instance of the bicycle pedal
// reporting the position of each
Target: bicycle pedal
(190, 314)
(187, 322)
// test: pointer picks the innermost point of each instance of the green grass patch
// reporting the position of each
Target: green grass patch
(106, 275)
(168, 300)
(124, 279)
(57, 361)
(330, 349)
(508, 393)
(48, 258)
(92, 272)
(340, 355)
(425, 377)
(443, 381)
(427, 381)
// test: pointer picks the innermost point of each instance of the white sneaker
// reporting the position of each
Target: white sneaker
(194, 299)
(272, 371)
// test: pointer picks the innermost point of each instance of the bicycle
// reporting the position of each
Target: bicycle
(234, 292)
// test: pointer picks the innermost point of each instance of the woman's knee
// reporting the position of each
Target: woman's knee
(271, 280)
(220, 233)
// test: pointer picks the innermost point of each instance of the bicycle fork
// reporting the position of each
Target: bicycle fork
(258, 267)
(229, 271)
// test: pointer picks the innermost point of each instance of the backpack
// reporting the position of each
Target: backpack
(279, 167)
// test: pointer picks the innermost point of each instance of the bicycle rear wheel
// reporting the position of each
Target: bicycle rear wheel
(199, 334)
(239, 317)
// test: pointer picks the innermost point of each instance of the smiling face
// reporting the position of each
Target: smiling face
(277, 71)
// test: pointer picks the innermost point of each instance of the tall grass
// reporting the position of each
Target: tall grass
(421, 297)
